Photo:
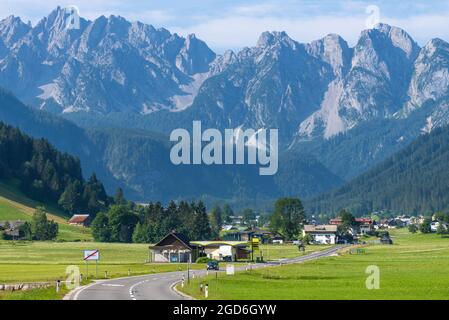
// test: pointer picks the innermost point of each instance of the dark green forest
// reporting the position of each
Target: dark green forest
(412, 181)
(47, 175)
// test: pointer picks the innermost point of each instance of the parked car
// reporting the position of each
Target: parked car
(213, 265)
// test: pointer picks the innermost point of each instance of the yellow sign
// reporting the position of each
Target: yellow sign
(255, 244)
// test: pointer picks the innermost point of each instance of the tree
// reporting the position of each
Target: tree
(94, 196)
(41, 228)
(122, 222)
(307, 239)
(426, 227)
(248, 216)
(100, 228)
(143, 233)
(201, 226)
(441, 229)
(413, 228)
(216, 221)
(263, 219)
(70, 199)
(119, 198)
(25, 231)
(347, 222)
(288, 217)
(227, 213)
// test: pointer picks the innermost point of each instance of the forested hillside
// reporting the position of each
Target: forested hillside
(47, 175)
(414, 180)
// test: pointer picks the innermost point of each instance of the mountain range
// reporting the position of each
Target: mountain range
(339, 109)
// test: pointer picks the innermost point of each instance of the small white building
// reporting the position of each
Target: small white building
(223, 250)
(434, 226)
(324, 234)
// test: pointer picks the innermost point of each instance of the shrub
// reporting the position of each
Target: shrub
(413, 228)
(204, 260)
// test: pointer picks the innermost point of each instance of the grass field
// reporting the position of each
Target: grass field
(274, 252)
(47, 261)
(415, 267)
(37, 294)
(15, 206)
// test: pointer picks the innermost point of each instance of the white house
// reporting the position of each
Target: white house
(223, 250)
(434, 226)
(324, 234)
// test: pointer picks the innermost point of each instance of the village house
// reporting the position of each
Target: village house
(11, 228)
(248, 234)
(81, 220)
(173, 248)
(223, 250)
(362, 225)
(176, 248)
(324, 234)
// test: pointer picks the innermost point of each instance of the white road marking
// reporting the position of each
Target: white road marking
(112, 285)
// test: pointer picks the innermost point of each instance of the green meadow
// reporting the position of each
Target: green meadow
(275, 252)
(47, 261)
(416, 266)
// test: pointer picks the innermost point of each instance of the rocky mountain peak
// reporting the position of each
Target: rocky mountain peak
(268, 39)
(334, 50)
(12, 29)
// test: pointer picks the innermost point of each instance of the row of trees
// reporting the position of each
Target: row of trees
(131, 223)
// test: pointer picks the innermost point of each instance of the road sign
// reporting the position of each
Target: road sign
(230, 270)
(91, 255)
(255, 244)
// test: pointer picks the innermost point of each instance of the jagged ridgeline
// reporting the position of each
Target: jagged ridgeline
(339, 109)
(47, 175)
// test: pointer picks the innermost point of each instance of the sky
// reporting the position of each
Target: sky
(234, 24)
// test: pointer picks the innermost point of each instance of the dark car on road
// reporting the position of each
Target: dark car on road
(213, 265)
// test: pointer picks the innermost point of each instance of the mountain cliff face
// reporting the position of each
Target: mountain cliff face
(139, 162)
(318, 90)
(106, 65)
(350, 108)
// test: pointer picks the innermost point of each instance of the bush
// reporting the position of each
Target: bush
(413, 228)
(204, 260)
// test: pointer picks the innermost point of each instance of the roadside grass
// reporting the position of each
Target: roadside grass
(415, 267)
(36, 294)
(47, 261)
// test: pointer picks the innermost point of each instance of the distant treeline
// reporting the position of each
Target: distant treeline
(128, 222)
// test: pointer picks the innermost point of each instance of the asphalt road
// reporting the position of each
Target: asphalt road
(160, 286)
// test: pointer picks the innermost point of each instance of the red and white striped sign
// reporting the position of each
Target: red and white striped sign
(91, 255)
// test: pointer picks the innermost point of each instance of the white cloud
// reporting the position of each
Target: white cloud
(256, 10)
(238, 31)
(150, 16)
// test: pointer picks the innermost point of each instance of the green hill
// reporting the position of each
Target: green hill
(14, 205)
(412, 181)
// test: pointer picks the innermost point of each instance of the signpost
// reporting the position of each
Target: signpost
(91, 255)
(254, 246)
(230, 270)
